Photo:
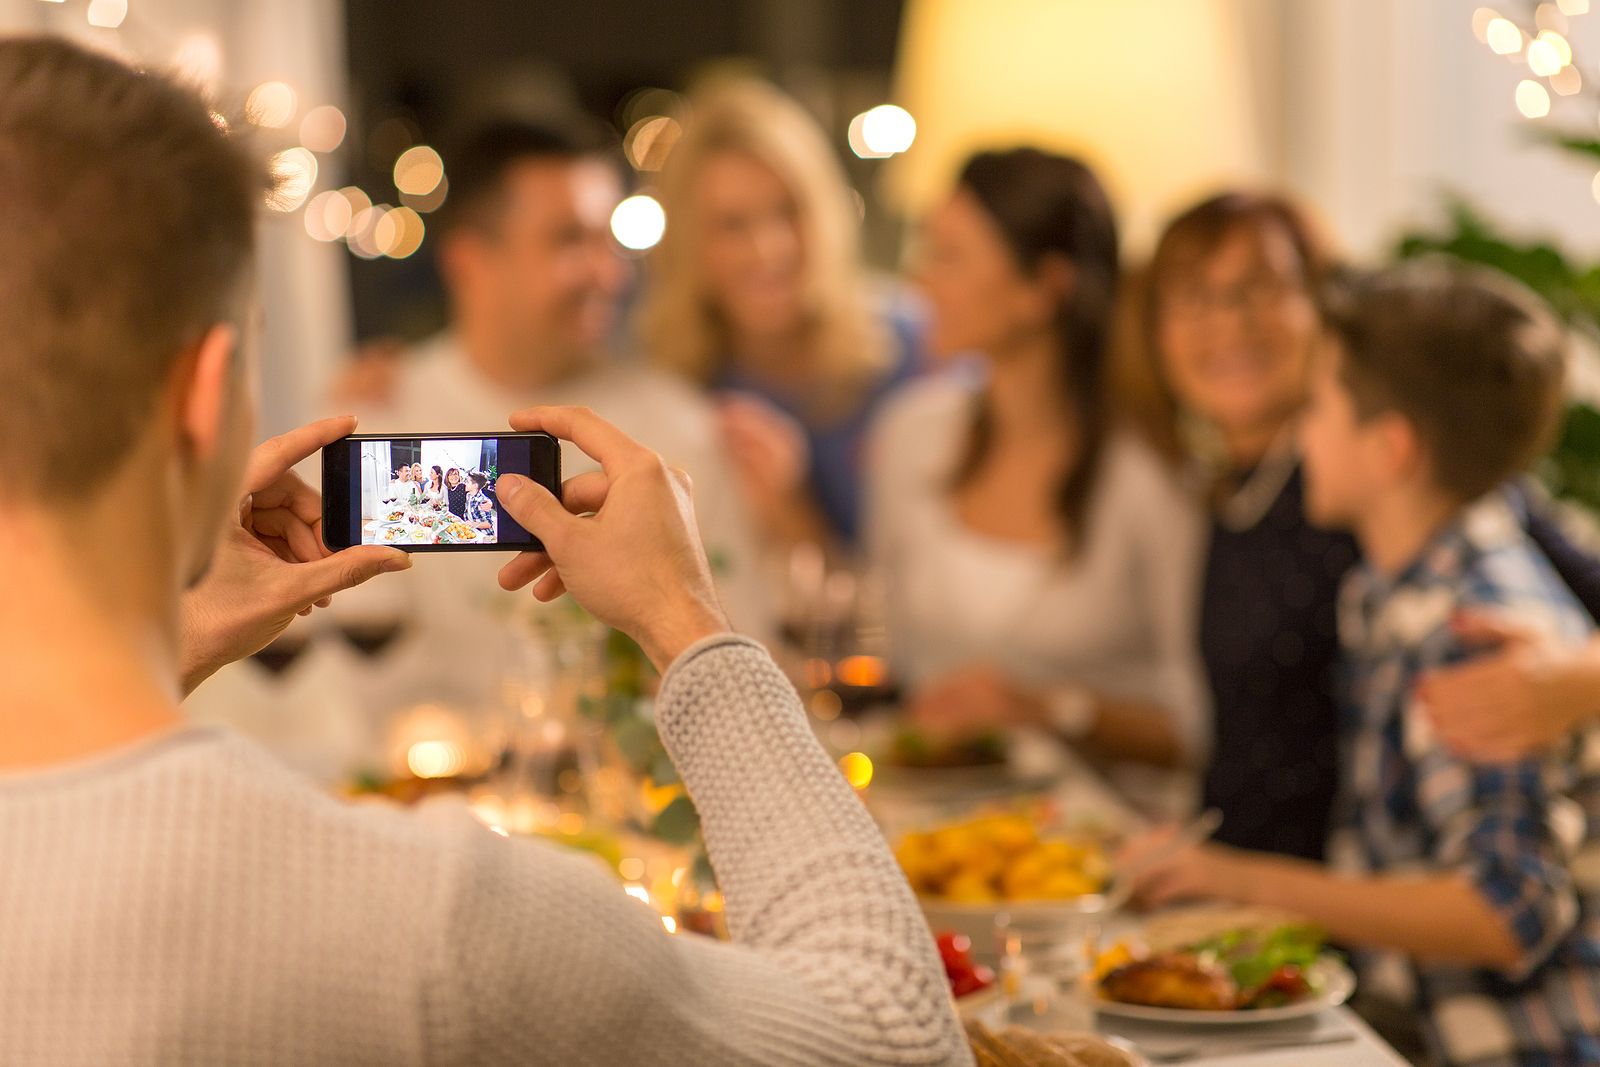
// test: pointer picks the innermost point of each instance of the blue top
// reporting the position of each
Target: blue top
(837, 460)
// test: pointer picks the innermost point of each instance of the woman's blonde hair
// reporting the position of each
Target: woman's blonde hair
(678, 324)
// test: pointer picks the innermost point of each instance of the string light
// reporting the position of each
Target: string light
(1549, 17)
(272, 105)
(1567, 81)
(1504, 37)
(107, 14)
(1573, 7)
(427, 202)
(638, 222)
(1532, 100)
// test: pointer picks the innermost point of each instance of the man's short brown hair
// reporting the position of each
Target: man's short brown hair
(126, 230)
(1472, 359)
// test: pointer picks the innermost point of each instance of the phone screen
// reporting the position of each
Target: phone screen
(431, 492)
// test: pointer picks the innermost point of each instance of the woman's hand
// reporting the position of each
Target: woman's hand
(770, 459)
(271, 564)
(973, 699)
(622, 539)
(1522, 696)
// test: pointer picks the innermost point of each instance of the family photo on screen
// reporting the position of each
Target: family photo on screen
(429, 492)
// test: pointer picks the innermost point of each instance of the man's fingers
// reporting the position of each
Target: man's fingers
(549, 587)
(523, 569)
(598, 439)
(585, 493)
(272, 458)
(534, 508)
(302, 540)
(344, 570)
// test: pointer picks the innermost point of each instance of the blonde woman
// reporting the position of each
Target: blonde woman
(757, 292)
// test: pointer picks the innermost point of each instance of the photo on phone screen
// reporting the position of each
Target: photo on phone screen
(431, 491)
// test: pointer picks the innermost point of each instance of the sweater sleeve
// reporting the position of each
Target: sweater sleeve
(544, 959)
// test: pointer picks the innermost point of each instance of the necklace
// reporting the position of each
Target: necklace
(1247, 505)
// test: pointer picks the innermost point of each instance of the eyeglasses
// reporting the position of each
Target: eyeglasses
(1252, 296)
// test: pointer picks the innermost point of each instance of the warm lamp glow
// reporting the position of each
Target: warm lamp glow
(1164, 121)
(1503, 36)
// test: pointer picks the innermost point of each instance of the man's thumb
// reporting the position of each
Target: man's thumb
(533, 506)
(349, 568)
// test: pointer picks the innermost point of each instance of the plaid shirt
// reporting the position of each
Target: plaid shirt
(1513, 829)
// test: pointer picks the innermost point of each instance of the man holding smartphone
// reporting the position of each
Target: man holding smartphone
(171, 895)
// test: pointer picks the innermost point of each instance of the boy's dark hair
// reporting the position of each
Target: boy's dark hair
(1471, 358)
(480, 479)
(127, 224)
(477, 164)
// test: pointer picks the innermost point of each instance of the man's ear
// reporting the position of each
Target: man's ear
(203, 398)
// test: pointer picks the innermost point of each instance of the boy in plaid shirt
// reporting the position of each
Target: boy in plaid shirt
(1453, 880)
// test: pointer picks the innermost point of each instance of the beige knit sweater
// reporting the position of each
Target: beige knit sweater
(189, 901)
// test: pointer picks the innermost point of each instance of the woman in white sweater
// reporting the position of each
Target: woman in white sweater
(1042, 564)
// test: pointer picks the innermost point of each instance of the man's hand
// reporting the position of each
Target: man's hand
(1524, 695)
(272, 564)
(622, 539)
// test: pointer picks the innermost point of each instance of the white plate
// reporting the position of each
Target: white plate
(1336, 980)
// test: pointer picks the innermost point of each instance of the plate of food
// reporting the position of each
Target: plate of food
(455, 533)
(1221, 969)
(967, 872)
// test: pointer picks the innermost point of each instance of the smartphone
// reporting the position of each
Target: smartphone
(431, 492)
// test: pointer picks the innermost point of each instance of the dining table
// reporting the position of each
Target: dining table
(1334, 1037)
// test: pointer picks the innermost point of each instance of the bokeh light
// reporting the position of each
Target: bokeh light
(359, 201)
(323, 128)
(1567, 81)
(857, 768)
(649, 140)
(1562, 46)
(107, 14)
(272, 105)
(427, 202)
(1480, 22)
(1573, 7)
(1532, 100)
(1548, 16)
(362, 235)
(418, 171)
(295, 172)
(398, 233)
(328, 215)
(198, 61)
(883, 131)
(638, 222)
(1503, 36)
(1543, 59)
(435, 759)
